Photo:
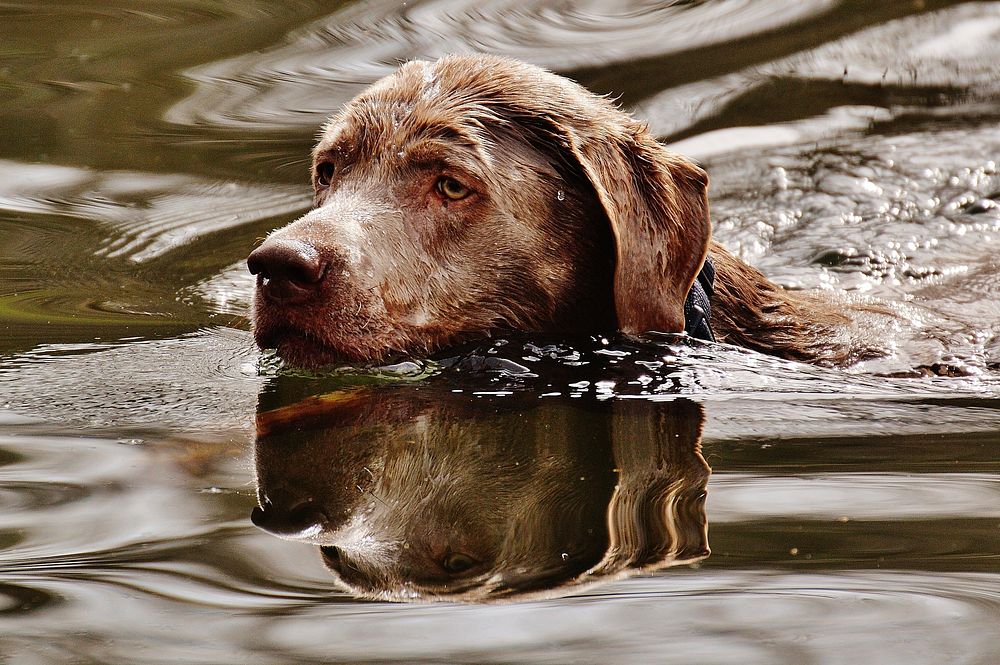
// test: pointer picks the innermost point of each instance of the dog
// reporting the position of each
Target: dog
(477, 195)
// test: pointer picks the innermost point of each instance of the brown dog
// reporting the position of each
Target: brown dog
(478, 194)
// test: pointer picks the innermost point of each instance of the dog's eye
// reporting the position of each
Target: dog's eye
(324, 174)
(456, 562)
(452, 189)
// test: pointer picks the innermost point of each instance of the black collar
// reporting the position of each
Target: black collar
(698, 305)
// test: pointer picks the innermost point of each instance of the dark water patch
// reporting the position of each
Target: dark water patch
(9, 538)
(74, 311)
(19, 600)
(911, 65)
(8, 457)
(21, 496)
(807, 99)
(650, 75)
(961, 443)
(947, 545)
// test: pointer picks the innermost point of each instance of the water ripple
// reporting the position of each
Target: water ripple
(323, 65)
(900, 67)
(797, 617)
(151, 214)
(17, 600)
(864, 496)
(900, 215)
(228, 292)
(137, 384)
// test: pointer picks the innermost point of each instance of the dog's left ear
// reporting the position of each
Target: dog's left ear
(657, 204)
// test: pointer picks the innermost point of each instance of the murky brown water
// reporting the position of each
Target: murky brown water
(847, 517)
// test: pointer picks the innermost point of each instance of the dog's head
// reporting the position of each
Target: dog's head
(474, 194)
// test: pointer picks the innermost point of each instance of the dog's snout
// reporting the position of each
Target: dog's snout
(287, 270)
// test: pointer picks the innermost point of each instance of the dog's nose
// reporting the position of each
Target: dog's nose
(287, 270)
(301, 521)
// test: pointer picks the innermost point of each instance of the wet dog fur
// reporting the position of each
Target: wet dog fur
(475, 195)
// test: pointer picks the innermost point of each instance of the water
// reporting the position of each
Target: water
(615, 501)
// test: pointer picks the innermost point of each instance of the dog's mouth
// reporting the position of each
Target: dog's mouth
(300, 348)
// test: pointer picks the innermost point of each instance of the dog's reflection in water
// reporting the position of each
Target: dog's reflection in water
(416, 495)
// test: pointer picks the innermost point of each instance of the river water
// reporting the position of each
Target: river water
(539, 500)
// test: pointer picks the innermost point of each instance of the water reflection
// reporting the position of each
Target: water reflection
(428, 495)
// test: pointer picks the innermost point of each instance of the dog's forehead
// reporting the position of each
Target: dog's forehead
(404, 106)
(456, 95)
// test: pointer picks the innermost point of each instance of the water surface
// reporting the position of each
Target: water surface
(713, 505)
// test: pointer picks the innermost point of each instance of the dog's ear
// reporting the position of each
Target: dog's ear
(657, 205)
(655, 200)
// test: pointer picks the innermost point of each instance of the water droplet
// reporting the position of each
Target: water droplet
(565, 556)
(561, 195)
